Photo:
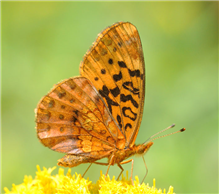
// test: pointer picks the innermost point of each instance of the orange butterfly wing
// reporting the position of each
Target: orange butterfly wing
(91, 116)
(73, 119)
(115, 66)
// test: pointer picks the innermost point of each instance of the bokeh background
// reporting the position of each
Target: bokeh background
(44, 42)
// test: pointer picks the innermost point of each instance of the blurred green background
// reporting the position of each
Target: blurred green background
(44, 42)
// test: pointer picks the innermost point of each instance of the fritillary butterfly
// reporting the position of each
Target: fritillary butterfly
(98, 114)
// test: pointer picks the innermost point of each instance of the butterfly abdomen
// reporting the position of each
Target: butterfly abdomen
(71, 160)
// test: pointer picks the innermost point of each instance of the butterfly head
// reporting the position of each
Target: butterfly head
(143, 148)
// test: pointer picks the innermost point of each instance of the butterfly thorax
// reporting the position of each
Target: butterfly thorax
(120, 155)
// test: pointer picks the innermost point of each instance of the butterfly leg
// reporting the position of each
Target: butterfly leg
(101, 163)
(110, 163)
(86, 170)
(146, 170)
(125, 162)
(119, 165)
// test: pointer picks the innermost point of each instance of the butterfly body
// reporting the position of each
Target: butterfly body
(116, 157)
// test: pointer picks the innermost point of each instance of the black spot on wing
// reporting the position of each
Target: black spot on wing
(119, 121)
(120, 44)
(110, 61)
(74, 119)
(61, 94)
(129, 86)
(125, 98)
(105, 94)
(142, 76)
(51, 104)
(117, 77)
(103, 71)
(115, 91)
(127, 112)
(122, 64)
(61, 116)
(128, 125)
(134, 73)
(76, 112)
(61, 129)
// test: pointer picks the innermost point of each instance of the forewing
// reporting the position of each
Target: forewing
(115, 66)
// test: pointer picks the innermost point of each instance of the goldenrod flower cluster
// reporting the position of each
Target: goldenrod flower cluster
(46, 183)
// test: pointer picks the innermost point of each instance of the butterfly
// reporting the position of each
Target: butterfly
(98, 114)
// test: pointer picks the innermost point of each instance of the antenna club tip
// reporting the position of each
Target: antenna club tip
(183, 129)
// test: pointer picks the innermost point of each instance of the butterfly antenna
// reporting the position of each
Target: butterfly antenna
(171, 126)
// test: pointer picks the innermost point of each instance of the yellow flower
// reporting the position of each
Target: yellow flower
(44, 182)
